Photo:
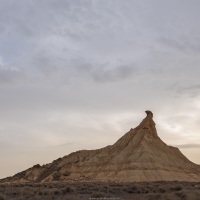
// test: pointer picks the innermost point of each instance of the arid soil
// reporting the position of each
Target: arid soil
(100, 191)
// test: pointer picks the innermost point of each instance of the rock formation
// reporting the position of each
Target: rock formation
(140, 155)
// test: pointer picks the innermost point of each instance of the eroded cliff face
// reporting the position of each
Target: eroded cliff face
(140, 155)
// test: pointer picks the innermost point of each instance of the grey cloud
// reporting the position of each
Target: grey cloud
(172, 43)
(187, 45)
(108, 72)
(119, 73)
(192, 90)
(45, 18)
(191, 87)
(188, 146)
(10, 76)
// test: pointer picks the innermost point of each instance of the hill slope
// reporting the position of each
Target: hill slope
(140, 155)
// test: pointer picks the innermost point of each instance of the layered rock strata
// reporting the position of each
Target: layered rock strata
(140, 155)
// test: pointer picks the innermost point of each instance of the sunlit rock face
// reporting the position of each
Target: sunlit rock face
(140, 155)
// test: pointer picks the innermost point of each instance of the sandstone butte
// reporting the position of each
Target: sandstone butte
(140, 155)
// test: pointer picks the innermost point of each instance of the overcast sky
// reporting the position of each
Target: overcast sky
(78, 74)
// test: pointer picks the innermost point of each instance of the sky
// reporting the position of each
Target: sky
(79, 74)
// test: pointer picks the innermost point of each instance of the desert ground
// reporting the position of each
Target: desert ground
(99, 191)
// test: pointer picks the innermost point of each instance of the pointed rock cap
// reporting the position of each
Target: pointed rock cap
(149, 124)
(148, 112)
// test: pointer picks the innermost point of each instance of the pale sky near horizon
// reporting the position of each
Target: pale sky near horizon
(78, 74)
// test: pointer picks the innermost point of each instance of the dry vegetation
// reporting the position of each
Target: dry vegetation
(100, 191)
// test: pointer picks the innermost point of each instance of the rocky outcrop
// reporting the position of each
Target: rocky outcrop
(140, 155)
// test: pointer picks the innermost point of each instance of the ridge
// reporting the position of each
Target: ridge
(139, 155)
(148, 123)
